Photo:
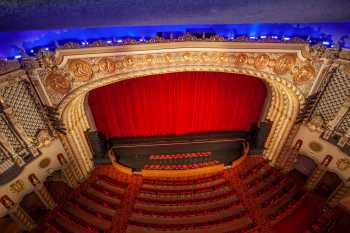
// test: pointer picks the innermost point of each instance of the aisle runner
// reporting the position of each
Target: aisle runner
(120, 219)
(263, 225)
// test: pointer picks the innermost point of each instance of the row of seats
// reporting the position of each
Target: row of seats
(180, 166)
(236, 203)
(285, 206)
(234, 221)
(323, 222)
(220, 194)
(179, 155)
(276, 194)
(92, 209)
(213, 186)
(252, 167)
(198, 204)
(204, 203)
(175, 181)
(267, 185)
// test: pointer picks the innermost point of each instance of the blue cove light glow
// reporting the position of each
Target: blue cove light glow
(326, 33)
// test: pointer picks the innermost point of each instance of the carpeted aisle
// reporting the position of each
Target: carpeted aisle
(301, 217)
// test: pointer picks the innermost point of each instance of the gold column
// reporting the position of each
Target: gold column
(67, 171)
(17, 213)
(42, 192)
(318, 173)
(288, 156)
(341, 191)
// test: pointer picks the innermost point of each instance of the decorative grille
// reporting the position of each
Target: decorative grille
(24, 108)
(6, 131)
(333, 97)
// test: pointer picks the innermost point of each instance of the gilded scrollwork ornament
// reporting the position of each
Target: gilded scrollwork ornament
(240, 59)
(304, 74)
(82, 70)
(284, 64)
(261, 61)
(58, 83)
(128, 61)
(343, 164)
(106, 65)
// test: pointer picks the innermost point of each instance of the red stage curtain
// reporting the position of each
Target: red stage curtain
(177, 103)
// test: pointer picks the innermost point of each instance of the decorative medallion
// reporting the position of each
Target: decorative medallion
(58, 83)
(315, 146)
(284, 63)
(261, 61)
(128, 61)
(343, 164)
(304, 74)
(81, 70)
(44, 163)
(106, 65)
(240, 59)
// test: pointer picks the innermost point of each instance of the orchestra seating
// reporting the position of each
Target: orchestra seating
(91, 209)
(323, 222)
(203, 203)
(191, 204)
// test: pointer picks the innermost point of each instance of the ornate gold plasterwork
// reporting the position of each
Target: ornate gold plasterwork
(81, 70)
(275, 67)
(44, 163)
(304, 74)
(240, 59)
(343, 164)
(17, 186)
(315, 146)
(106, 65)
(261, 61)
(43, 138)
(284, 64)
(57, 82)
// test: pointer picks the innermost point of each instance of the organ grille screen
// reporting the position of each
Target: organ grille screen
(11, 138)
(24, 108)
(333, 98)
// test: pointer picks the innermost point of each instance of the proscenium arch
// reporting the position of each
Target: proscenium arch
(286, 98)
(282, 111)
